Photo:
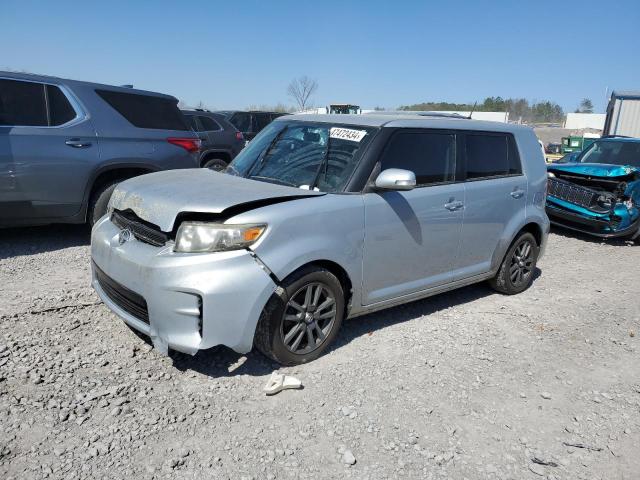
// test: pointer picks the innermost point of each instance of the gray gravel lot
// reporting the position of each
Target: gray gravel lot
(469, 384)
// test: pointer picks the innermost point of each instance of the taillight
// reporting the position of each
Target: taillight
(189, 144)
(239, 136)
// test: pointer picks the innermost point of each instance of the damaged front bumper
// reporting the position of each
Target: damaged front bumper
(620, 223)
(185, 302)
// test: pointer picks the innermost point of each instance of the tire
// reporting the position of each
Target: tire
(516, 271)
(216, 164)
(99, 201)
(285, 339)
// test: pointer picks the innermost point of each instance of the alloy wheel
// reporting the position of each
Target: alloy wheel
(308, 318)
(521, 263)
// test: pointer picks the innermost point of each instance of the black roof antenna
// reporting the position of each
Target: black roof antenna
(473, 109)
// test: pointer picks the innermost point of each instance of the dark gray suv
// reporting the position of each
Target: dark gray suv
(221, 141)
(65, 144)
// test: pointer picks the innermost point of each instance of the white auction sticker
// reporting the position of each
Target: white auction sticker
(347, 134)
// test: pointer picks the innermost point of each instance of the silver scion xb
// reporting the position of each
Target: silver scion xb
(320, 218)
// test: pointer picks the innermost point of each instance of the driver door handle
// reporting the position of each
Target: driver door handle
(517, 193)
(77, 143)
(453, 206)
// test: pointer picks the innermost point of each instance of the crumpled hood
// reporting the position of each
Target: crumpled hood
(159, 197)
(593, 169)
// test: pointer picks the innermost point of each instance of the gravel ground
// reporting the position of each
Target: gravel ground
(469, 384)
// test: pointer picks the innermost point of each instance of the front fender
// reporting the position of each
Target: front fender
(328, 227)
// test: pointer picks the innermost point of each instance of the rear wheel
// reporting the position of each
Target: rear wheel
(515, 274)
(298, 326)
(216, 164)
(99, 201)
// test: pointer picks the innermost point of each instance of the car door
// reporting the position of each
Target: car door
(496, 193)
(411, 237)
(47, 150)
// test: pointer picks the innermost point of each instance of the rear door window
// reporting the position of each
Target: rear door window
(22, 104)
(209, 124)
(431, 156)
(491, 155)
(146, 111)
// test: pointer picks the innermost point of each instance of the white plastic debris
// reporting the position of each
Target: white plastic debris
(278, 382)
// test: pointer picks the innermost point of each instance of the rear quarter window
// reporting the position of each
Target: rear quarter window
(242, 121)
(146, 111)
(60, 110)
(209, 124)
(491, 155)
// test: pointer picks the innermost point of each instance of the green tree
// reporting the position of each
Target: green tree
(586, 106)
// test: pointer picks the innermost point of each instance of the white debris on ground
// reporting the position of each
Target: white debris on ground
(469, 384)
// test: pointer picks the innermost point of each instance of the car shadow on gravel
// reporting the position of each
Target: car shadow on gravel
(224, 362)
(15, 242)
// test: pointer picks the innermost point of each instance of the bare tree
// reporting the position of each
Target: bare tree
(301, 89)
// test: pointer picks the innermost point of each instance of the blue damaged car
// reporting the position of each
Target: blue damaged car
(598, 192)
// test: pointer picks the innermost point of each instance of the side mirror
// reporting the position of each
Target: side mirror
(396, 179)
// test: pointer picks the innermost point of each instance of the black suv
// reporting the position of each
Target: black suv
(221, 141)
(250, 123)
(65, 144)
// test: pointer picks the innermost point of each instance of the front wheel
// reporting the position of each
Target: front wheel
(299, 325)
(99, 202)
(515, 274)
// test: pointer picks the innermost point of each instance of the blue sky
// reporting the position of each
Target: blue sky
(372, 53)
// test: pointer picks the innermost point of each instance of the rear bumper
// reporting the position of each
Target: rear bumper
(598, 227)
(192, 301)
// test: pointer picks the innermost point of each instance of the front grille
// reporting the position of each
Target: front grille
(570, 192)
(127, 300)
(143, 231)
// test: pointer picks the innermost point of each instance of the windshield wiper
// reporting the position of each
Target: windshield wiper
(274, 180)
(263, 155)
(324, 163)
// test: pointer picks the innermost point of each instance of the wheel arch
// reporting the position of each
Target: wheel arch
(501, 250)
(534, 229)
(112, 173)
(339, 271)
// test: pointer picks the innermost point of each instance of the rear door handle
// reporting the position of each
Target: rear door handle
(77, 143)
(453, 206)
(517, 193)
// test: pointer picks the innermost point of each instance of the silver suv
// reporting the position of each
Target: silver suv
(320, 218)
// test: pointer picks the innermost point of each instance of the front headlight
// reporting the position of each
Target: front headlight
(194, 237)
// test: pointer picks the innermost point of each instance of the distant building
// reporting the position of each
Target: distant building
(623, 114)
(578, 121)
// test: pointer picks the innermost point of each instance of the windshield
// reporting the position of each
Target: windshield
(320, 156)
(614, 153)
